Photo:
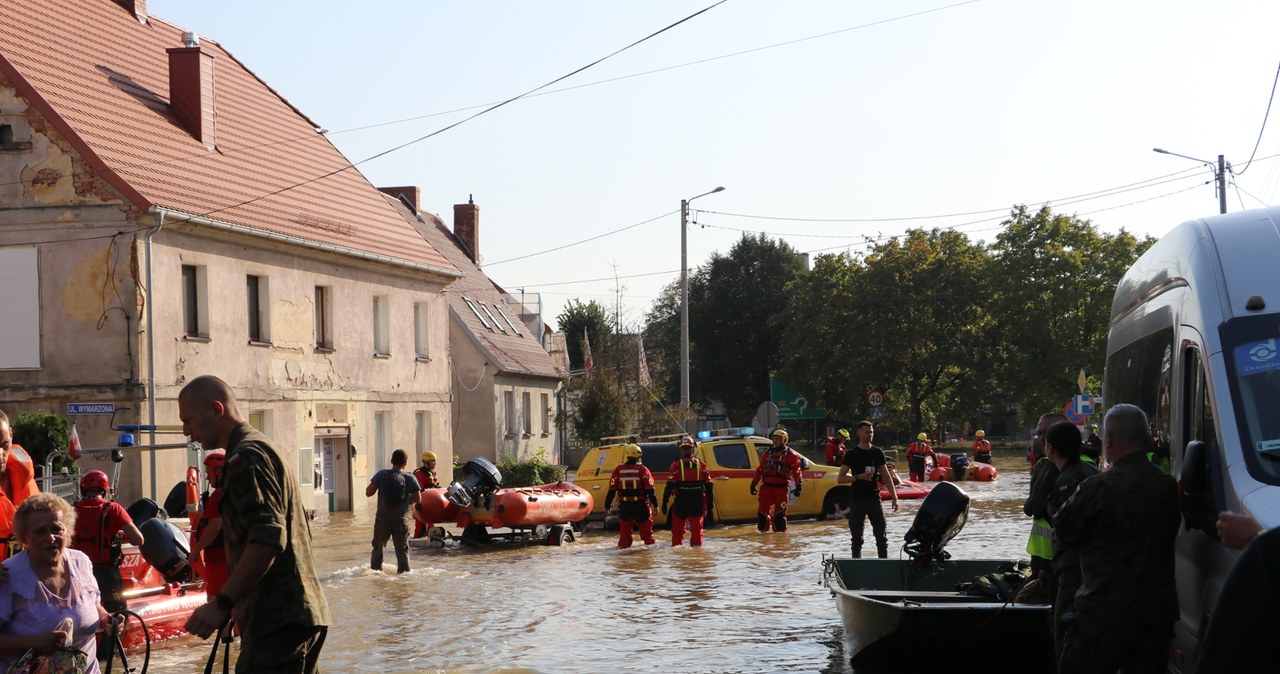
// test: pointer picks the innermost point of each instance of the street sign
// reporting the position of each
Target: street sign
(792, 405)
(877, 413)
(1081, 381)
(766, 416)
(91, 408)
(875, 398)
(1085, 404)
(1072, 414)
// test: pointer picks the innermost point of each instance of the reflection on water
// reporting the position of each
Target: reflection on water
(745, 602)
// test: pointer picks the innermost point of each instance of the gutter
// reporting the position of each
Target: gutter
(289, 239)
(151, 355)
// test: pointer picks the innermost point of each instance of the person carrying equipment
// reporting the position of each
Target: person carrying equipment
(632, 483)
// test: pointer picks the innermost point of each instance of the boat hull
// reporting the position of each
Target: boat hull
(888, 606)
(556, 503)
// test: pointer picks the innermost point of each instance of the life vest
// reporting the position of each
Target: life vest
(921, 448)
(632, 481)
(982, 446)
(687, 476)
(1040, 543)
(426, 479)
(22, 483)
(774, 467)
(91, 535)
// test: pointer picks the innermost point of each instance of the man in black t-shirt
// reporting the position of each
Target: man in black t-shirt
(397, 491)
(863, 469)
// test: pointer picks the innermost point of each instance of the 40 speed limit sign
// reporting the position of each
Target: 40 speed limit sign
(875, 398)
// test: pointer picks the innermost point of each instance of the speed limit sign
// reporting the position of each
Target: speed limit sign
(875, 398)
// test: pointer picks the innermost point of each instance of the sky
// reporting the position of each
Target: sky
(826, 121)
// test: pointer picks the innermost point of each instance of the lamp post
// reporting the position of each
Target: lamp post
(684, 296)
(1220, 173)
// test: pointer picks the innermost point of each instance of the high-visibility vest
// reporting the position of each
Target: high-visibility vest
(1040, 543)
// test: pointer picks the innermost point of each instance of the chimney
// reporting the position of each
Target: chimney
(138, 8)
(408, 194)
(191, 89)
(466, 227)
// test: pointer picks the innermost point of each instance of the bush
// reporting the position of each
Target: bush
(529, 472)
(41, 433)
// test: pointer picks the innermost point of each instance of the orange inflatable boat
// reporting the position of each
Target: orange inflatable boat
(554, 503)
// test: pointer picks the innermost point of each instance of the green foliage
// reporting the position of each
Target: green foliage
(604, 406)
(590, 319)
(529, 472)
(40, 433)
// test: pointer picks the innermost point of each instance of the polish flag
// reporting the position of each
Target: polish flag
(587, 361)
(73, 445)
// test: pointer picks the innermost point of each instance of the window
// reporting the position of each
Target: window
(195, 298)
(421, 343)
(733, 455)
(546, 413)
(422, 432)
(381, 326)
(6, 134)
(526, 419)
(259, 309)
(483, 321)
(20, 308)
(381, 440)
(491, 318)
(506, 318)
(509, 407)
(324, 318)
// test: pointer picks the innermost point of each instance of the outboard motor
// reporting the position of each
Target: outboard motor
(483, 478)
(144, 509)
(165, 548)
(959, 466)
(941, 516)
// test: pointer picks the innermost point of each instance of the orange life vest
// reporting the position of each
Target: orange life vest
(632, 481)
(21, 484)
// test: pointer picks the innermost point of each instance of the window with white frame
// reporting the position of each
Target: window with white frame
(324, 318)
(195, 301)
(421, 333)
(509, 409)
(381, 326)
(507, 318)
(526, 419)
(546, 413)
(488, 313)
(479, 316)
(20, 308)
(381, 440)
(422, 431)
(259, 308)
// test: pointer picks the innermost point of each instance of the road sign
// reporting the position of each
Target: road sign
(875, 398)
(1085, 404)
(792, 405)
(1073, 415)
(91, 408)
(1081, 381)
(767, 415)
(877, 413)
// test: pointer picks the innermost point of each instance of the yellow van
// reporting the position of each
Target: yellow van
(732, 457)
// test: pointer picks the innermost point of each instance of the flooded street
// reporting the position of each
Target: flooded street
(745, 602)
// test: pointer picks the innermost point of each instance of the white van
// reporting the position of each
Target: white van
(1195, 342)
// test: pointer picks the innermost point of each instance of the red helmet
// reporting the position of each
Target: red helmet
(95, 479)
(213, 463)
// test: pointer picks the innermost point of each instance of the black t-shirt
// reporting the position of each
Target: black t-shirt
(858, 460)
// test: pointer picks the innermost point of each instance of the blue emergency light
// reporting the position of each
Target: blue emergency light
(704, 435)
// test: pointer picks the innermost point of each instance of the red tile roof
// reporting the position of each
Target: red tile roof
(520, 354)
(103, 78)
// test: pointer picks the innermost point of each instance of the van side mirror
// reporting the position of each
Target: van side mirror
(1199, 508)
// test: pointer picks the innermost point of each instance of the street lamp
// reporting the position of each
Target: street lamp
(1220, 173)
(684, 296)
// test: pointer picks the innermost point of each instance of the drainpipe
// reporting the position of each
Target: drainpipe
(151, 358)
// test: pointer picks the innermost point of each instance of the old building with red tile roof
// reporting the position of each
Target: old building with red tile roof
(164, 213)
(506, 385)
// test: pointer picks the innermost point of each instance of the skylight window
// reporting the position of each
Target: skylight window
(491, 317)
(483, 321)
(507, 318)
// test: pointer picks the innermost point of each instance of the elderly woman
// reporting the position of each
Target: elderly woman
(47, 583)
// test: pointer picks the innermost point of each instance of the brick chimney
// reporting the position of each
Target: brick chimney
(407, 193)
(191, 89)
(138, 8)
(466, 227)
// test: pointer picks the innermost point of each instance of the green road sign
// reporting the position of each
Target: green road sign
(792, 405)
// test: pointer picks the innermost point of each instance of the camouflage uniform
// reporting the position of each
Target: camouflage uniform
(283, 618)
(1066, 561)
(1123, 523)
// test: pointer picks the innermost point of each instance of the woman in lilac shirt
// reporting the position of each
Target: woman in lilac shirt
(46, 583)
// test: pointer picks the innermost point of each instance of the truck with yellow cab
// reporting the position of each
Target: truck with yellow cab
(731, 456)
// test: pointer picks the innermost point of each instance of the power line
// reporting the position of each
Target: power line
(1264, 123)
(575, 243)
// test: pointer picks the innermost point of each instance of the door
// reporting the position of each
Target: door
(331, 474)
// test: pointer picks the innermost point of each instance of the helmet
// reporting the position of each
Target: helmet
(686, 441)
(632, 452)
(429, 456)
(844, 433)
(780, 433)
(95, 479)
(214, 460)
(981, 433)
(922, 437)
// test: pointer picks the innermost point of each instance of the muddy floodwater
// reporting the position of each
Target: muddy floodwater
(744, 602)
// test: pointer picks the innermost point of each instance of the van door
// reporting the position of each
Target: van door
(732, 466)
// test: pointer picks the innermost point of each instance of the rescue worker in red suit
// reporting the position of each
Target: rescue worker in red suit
(690, 482)
(426, 476)
(835, 447)
(17, 482)
(917, 453)
(981, 447)
(779, 465)
(208, 536)
(100, 525)
(632, 483)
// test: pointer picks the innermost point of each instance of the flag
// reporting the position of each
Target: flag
(587, 362)
(645, 381)
(73, 445)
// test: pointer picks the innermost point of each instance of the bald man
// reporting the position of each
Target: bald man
(273, 591)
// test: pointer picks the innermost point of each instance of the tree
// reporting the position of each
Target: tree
(590, 319)
(603, 406)
(41, 433)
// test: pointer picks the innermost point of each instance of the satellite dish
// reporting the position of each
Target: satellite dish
(766, 417)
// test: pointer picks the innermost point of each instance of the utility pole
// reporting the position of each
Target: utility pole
(1220, 174)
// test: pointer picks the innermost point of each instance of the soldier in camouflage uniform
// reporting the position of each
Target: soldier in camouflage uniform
(1123, 523)
(1062, 446)
(273, 591)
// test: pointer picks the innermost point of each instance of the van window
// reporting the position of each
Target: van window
(731, 455)
(1253, 370)
(1141, 374)
(1198, 417)
(658, 456)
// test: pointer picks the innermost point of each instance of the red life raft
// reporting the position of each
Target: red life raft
(906, 489)
(554, 503)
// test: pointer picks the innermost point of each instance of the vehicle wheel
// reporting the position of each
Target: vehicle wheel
(560, 535)
(834, 505)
